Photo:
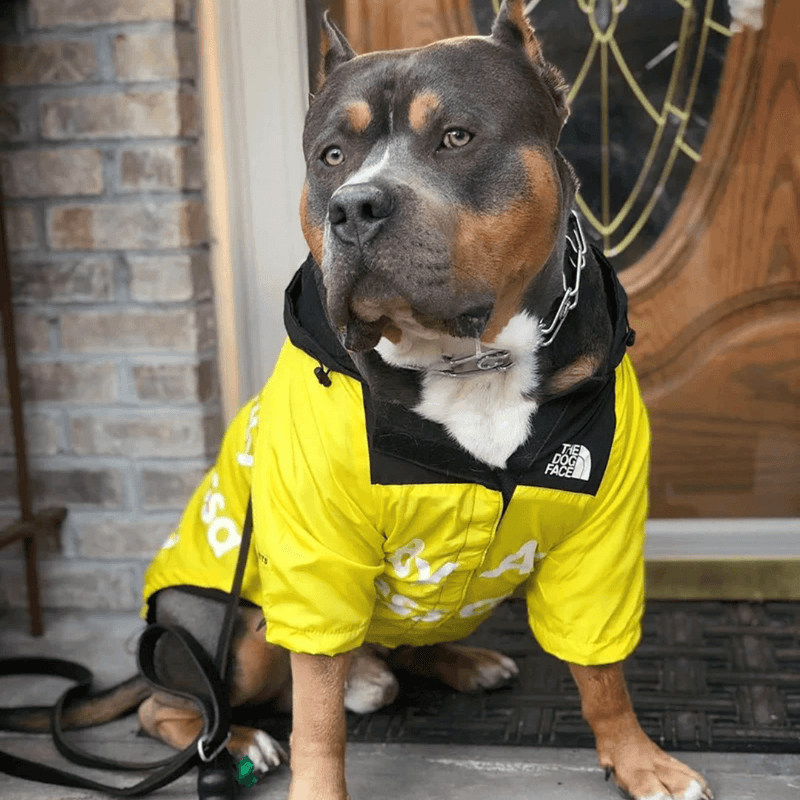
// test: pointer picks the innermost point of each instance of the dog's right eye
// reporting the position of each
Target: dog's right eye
(333, 156)
(455, 138)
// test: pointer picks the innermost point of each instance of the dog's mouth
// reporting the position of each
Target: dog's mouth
(368, 307)
(364, 334)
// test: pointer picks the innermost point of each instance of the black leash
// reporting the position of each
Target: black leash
(216, 780)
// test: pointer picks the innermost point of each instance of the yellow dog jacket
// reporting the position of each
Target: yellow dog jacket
(371, 524)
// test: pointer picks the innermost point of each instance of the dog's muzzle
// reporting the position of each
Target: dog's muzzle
(364, 299)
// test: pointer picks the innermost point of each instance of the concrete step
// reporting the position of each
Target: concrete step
(105, 642)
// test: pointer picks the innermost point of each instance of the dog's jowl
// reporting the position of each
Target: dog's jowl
(452, 419)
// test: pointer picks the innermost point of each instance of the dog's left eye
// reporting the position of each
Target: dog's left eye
(455, 137)
(333, 156)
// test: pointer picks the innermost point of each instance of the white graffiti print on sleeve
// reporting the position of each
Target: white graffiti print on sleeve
(211, 515)
(245, 458)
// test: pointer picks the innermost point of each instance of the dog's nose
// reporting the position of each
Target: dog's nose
(357, 211)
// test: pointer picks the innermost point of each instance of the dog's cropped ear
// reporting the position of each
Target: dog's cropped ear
(335, 50)
(512, 28)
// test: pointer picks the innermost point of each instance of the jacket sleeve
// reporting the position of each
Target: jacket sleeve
(586, 597)
(317, 541)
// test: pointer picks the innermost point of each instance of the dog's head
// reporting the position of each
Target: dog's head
(435, 196)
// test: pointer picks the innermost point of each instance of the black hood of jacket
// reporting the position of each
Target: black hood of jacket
(406, 448)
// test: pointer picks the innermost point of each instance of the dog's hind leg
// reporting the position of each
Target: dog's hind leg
(177, 723)
(258, 672)
(464, 668)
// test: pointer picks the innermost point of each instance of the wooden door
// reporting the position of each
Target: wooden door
(716, 301)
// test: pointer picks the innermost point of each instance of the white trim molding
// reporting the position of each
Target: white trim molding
(700, 539)
(255, 95)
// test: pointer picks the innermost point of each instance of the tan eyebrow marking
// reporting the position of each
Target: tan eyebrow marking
(359, 115)
(421, 107)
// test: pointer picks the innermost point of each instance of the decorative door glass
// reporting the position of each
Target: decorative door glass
(644, 76)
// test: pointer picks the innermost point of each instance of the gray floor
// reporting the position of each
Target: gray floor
(106, 643)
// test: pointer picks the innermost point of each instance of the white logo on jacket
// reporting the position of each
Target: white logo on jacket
(574, 461)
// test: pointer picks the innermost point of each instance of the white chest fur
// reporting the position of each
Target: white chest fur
(488, 413)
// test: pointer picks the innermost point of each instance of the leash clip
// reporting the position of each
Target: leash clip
(489, 361)
(201, 743)
(577, 258)
(495, 359)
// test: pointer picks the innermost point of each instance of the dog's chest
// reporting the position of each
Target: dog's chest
(488, 414)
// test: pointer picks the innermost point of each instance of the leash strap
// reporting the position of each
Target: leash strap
(171, 768)
(213, 703)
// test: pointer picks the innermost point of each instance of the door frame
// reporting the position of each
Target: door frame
(254, 96)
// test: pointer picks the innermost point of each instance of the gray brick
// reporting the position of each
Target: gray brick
(176, 434)
(10, 121)
(132, 330)
(32, 332)
(42, 434)
(46, 173)
(161, 168)
(208, 380)
(110, 537)
(20, 228)
(166, 489)
(173, 383)
(74, 584)
(89, 382)
(68, 280)
(169, 277)
(18, 119)
(176, 383)
(126, 225)
(75, 486)
(213, 430)
(206, 327)
(51, 13)
(162, 55)
(58, 62)
(162, 113)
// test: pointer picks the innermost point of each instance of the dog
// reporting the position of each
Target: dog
(453, 419)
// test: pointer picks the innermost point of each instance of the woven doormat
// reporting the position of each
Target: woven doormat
(706, 676)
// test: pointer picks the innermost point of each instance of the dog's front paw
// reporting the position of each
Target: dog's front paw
(370, 683)
(643, 771)
(265, 753)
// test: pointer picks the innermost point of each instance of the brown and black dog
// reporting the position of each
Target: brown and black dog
(449, 291)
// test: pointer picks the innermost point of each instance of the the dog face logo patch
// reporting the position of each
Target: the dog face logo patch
(572, 461)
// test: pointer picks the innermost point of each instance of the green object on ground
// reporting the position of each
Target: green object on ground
(245, 772)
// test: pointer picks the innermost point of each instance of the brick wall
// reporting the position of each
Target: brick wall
(103, 179)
